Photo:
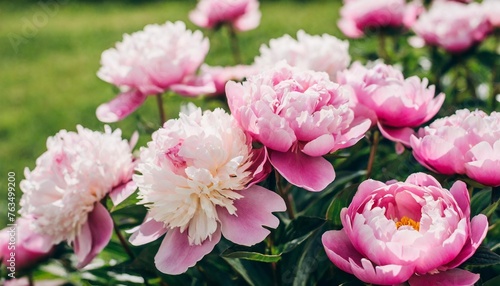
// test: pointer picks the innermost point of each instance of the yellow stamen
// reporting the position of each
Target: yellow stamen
(408, 221)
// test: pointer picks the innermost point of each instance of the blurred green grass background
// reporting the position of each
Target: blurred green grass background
(50, 55)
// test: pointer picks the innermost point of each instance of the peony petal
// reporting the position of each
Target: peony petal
(349, 28)
(484, 172)
(95, 235)
(423, 180)
(253, 211)
(382, 275)
(478, 230)
(301, 170)
(401, 135)
(122, 192)
(319, 146)
(195, 86)
(120, 107)
(434, 106)
(339, 249)
(176, 255)
(452, 277)
(260, 166)
(148, 231)
(461, 195)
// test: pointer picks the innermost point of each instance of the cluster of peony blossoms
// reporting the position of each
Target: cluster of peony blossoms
(150, 62)
(395, 104)
(357, 16)
(198, 180)
(413, 231)
(457, 30)
(298, 115)
(62, 194)
(463, 143)
(201, 177)
(241, 15)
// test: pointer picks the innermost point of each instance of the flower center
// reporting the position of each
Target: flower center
(406, 221)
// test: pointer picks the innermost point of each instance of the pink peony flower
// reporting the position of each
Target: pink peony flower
(29, 247)
(413, 231)
(464, 143)
(221, 75)
(461, 27)
(243, 15)
(323, 53)
(197, 180)
(359, 15)
(151, 61)
(492, 10)
(396, 104)
(64, 191)
(299, 116)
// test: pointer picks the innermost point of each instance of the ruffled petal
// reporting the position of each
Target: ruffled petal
(253, 211)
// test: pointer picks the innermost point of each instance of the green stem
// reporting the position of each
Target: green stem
(373, 151)
(31, 282)
(125, 246)
(161, 110)
(382, 48)
(283, 192)
(235, 47)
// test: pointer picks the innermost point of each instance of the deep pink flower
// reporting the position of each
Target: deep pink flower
(323, 53)
(151, 61)
(413, 231)
(29, 247)
(63, 193)
(396, 104)
(359, 15)
(464, 143)
(461, 27)
(299, 116)
(197, 180)
(243, 15)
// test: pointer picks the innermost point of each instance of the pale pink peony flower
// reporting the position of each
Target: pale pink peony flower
(464, 143)
(29, 247)
(299, 116)
(151, 61)
(64, 191)
(413, 231)
(359, 15)
(197, 180)
(221, 75)
(323, 53)
(394, 103)
(457, 30)
(243, 15)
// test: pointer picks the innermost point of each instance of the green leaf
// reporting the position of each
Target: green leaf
(483, 257)
(480, 201)
(312, 260)
(297, 231)
(247, 253)
(250, 272)
(131, 200)
(493, 282)
(341, 200)
(489, 210)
